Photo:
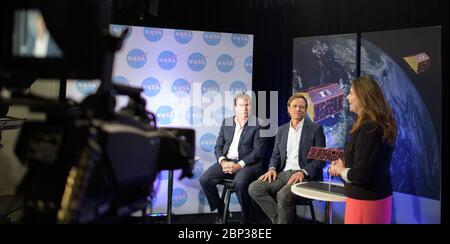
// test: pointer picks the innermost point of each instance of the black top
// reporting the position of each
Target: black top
(369, 159)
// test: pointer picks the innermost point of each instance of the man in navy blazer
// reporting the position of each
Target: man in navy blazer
(239, 151)
(39, 43)
(288, 164)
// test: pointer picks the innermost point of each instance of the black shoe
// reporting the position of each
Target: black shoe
(219, 220)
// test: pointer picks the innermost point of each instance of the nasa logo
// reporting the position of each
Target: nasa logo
(87, 87)
(120, 80)
(182, 36)
(196, 62)
(181, 88)
(151, 87)
(225, 63)
(212, 38)
(207, 142)
(238, 87)
(167, 60)
(239, 40)
(136, 58)
(165, 115)
(210, 88)
(153, 34)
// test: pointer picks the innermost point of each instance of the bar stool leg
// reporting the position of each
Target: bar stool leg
(227, 204)
(169, 197)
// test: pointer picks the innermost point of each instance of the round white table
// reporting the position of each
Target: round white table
(328, 197)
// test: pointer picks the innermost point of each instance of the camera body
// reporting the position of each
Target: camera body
(4, 108)
(84, 169)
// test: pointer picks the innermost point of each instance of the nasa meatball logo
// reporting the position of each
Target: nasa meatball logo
(181, 88)
(153, 34)
(208, 142)
(212, 38)
(182, 36)
(239, 40)
(120, 80)
(225, 63)
(151, 87)
(196, 62)
(165, 115)
(238, 87)
(136, 58)
(167, 60)
(87, 87)
(210, 88)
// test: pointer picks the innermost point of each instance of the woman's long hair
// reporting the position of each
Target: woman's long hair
(374, 108)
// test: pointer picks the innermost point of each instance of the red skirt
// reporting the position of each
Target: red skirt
(368, 211)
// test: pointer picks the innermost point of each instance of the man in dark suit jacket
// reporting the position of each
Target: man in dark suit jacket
(39, 42)
(288, 164)
(239, 151)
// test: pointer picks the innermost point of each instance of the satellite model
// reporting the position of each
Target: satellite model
(325, 154)
(324, 101)
(419, 62)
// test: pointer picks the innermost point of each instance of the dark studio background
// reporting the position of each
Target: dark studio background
(274, 23)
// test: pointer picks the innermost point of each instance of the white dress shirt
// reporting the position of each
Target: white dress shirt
(41, 46)
(293, 145)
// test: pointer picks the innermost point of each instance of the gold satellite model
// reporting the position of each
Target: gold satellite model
(419, 62)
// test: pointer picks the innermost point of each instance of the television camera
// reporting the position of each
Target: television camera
(86, 162)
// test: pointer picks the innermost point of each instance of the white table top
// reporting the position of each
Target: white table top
(317, 195)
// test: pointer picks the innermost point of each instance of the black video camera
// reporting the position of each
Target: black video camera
(86, 162)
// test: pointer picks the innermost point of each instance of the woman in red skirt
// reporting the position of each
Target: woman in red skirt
(367, 158)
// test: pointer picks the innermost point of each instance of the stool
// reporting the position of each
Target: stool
(228, 189)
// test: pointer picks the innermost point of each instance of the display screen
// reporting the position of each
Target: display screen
(31, 38)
